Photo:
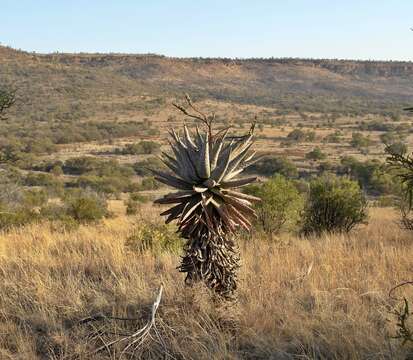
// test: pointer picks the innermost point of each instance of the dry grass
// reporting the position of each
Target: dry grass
(51, 279)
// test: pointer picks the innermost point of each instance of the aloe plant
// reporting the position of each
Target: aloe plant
(208, 207)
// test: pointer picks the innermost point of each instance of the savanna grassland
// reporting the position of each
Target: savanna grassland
(80, 238)
(324, 298)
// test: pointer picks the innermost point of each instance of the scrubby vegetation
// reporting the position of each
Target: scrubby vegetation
(271, 165)
(78, 237)
(280, 206)
(334, 205)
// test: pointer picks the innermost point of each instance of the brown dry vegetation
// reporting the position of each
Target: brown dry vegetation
(50, 279)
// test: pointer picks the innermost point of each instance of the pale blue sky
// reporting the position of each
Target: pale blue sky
(355, 29)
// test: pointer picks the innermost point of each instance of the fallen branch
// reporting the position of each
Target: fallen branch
(133, 340)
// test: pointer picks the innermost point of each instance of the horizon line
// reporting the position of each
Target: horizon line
(58, 52)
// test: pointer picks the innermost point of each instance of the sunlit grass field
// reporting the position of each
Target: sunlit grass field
(324, 298)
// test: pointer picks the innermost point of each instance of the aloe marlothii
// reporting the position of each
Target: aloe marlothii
(208, 206)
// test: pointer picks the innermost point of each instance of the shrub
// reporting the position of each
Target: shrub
(86, 207)
(56, 170)
(271, 165)
(316, 154)
(149, 183)
(16, 217)
(92, 166)
(333, 205)
(140, 148)
(41, 179)
(132, 207)
(103, 184)
(372, 175)
(157, 238)
(359, 141)
(298, 135)
(335, 137)
(138, 197)
(280, 205)
(57, 213)
(35, 198)
(142, 168)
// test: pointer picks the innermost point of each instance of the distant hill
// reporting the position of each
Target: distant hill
(87, 85)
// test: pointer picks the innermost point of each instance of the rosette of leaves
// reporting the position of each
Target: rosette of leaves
(209, 207)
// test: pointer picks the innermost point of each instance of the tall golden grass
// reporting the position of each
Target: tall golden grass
(324, 298)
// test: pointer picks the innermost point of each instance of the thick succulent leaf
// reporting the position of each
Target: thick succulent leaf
(174, 212)
(232, 174)
(250, 157)
(238, 182)
(198, 138)
(232, 167)
(174, 135)
(199, 189)
(240, 195)
(171, 180)
(180, 194)
(170, 158)
(173, 168)
(186, 165)
(192, 206)
(240, 217)
(223, 215)
(243, 206)
(204, 168)
(165, 200)
(219, 172)
(207, 215)
(216, 149)
(188, 139)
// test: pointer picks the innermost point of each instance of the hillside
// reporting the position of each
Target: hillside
(88, 85)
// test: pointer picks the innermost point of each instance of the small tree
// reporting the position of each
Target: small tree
(86, 206)
(7, 99)
(272, 165)
(359, 141)
(315, 154)
(334, 205)
(280, 206)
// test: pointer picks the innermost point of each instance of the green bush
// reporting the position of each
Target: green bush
(333, 205)
(335, 137)
(41, 179)
(57, 214)
(298, 135)
(157, 238)
(280, 205)
(103, 184)
(132, 207)
(316, 154)
(271, 165)
(19, 216)
(142, 168)
(372, 175)
(138, 197)
(86, 207)
(359, 141)
(87, 165)
(140, 148)
(148, 183)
